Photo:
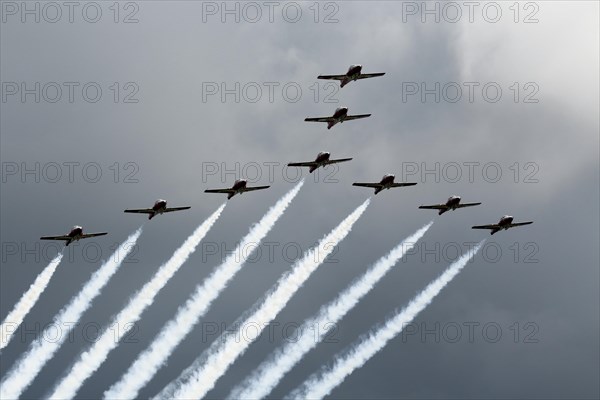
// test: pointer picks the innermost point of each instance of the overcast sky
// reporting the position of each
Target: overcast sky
(498, 105)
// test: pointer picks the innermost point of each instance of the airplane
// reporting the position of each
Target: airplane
(340, 115)
(159, 207)
(75, 234)
(505, 223)
(387, 182)
(452, 203)
(238, 187)
(322, 160)
(353, 74)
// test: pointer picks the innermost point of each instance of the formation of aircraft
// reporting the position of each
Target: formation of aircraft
(387, 182)
(505, 223)
(451, 204)
(239, 187)
(321, 161)
(159, 207)
(354, 73)
(75, 234)
(339, 116)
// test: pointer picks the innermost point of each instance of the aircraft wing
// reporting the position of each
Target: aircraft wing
(364, 76)
(332, 77)
(250, 189)
(320, 119)
(369, 185)
(171, 209)
(435, 207)
(339, 160)
(140, 211)
(303, 164)
(219, 191)
(359, 116)
(461, 205)
(64, 237)
(89, 235)
(402, 184)
(492, 226)
(521, 223)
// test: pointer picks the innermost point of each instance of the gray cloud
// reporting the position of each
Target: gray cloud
(173, 137)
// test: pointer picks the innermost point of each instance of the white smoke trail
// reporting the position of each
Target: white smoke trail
(41, 350)
(15, 318)
(150, 360)
(266, 377)
(320, 385)
(202, 375)
(91, 360)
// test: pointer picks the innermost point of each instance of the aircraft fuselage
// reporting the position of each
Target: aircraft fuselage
(338, 116)
(76, 233)
(322, 157)
(506, 221)
(159, 206)
(353, 74)
(239, 185)
(354, 71)
(340, 113)
(453, 202)
(321, 161)
(387, 181)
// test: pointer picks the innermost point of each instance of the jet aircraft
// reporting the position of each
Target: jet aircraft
(340, 115)
(159, 207)
(354, 73)
(74, 235)
(321, 161)
(452, 203)
(387, 182)
(505, 223)
(239, 187)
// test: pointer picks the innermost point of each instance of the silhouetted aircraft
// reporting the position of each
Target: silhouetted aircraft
(505, 223)
(340, 115)
(387, 182)
(238, 187)
(321, 161)
(353, 74)
(159, 207)
(75, 234)
(452, 203)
